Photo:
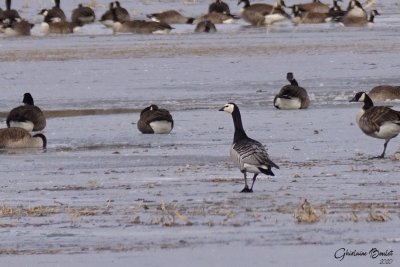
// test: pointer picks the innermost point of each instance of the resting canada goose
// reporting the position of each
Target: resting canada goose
(336, 10)
(18, 27)
(301, 17)
(9, 13)
(219, 7)
(205, 26)
(60, 27)
(352, 21)
(249, 154)
(155, 120)
(292, 96)
(170, 17)
(54, 14)
(263, 14)
(377, 121)
(217, 18)
(107, 19)
(21, 138)
(384, 92)
(315, 6)
(83, 14)
(28, 116)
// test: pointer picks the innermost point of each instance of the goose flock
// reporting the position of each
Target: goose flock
(119, 20)
(250, 155)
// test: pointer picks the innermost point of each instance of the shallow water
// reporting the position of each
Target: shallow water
(102, 187)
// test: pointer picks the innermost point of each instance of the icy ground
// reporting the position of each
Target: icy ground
(103, 194)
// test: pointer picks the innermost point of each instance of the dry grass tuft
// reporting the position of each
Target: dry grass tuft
(305, 213)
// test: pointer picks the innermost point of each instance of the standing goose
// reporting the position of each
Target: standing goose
(384, 92)
(219, 6)
(83, 14)
(292, 96)
(377, 121)
(170, 17)
(54, 14)
(205, 26)
(154, 120)
(249, 154)
(21, 138)
(28, 116)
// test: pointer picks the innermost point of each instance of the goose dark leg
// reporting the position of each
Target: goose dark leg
(254, 179)
(246, 187)
(384, 150)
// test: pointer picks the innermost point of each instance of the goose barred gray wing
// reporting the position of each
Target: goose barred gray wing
(251, 152)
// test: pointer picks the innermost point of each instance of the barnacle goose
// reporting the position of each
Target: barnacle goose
(155, 120)
(21, 138)
(27, 116)
(250, 154)
(377, 121)
(292, 96)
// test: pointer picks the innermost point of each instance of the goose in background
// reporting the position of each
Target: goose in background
(154, 120)
(205, 26)
(377, 121)
(259, 14)
(170, 17)
(219, 7)
(83, 15)
(20, 138)
(292, 96)
(354, 21)
(17, 27)
(384, 92)
(55, 14)
(107, 19)
(27, 116)
(9, 13)
(217, 18)
(249, 154)
(336, 10)
(315, 6)
(301, 17)
(60, 27)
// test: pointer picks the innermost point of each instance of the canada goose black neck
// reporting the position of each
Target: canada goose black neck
(43, 138)
(28, 99)
(57, 3)
(368, 103)
(8, 5)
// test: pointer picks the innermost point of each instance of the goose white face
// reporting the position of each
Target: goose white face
(362, 98)
(228, 108)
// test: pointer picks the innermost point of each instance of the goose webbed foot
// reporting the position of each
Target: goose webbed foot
(378, 157)
(246, 189)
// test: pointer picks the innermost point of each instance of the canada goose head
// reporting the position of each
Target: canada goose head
(372, 15)
(229, 107)
(246, 2)
(41, 136)
(28, 99)
(289, 76)
(116, 4)
(44, 12)
(359, 97)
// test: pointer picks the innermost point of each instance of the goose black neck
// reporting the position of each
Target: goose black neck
(367, 102)
(371, 18)
(57, 3)
(237, 122)
(8, 5)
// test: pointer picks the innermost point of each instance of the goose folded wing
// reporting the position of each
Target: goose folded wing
(253, 152)
(376, 116)
(159, 115)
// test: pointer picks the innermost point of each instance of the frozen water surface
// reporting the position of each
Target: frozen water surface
(102, 193)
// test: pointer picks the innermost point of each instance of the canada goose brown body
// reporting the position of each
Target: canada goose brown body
(292, 96)
(60, 27)
(170, 17)
(217, 18)
(20, 138)
(355, 21)
(205, 26)
(315, 6)
(28, 116)
(83, 14)
(301, 17)
(141, 26)
(384, 92)
(262, 14)
(107, 19)
(54, 14)
(219, 7)
(377, 121)
(155, 120)
(18, 28)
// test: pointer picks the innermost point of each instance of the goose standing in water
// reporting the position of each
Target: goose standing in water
(154, 120)
(21, 138)
(249, 154)
(377, 121)
(28, 116)
(292, 96)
